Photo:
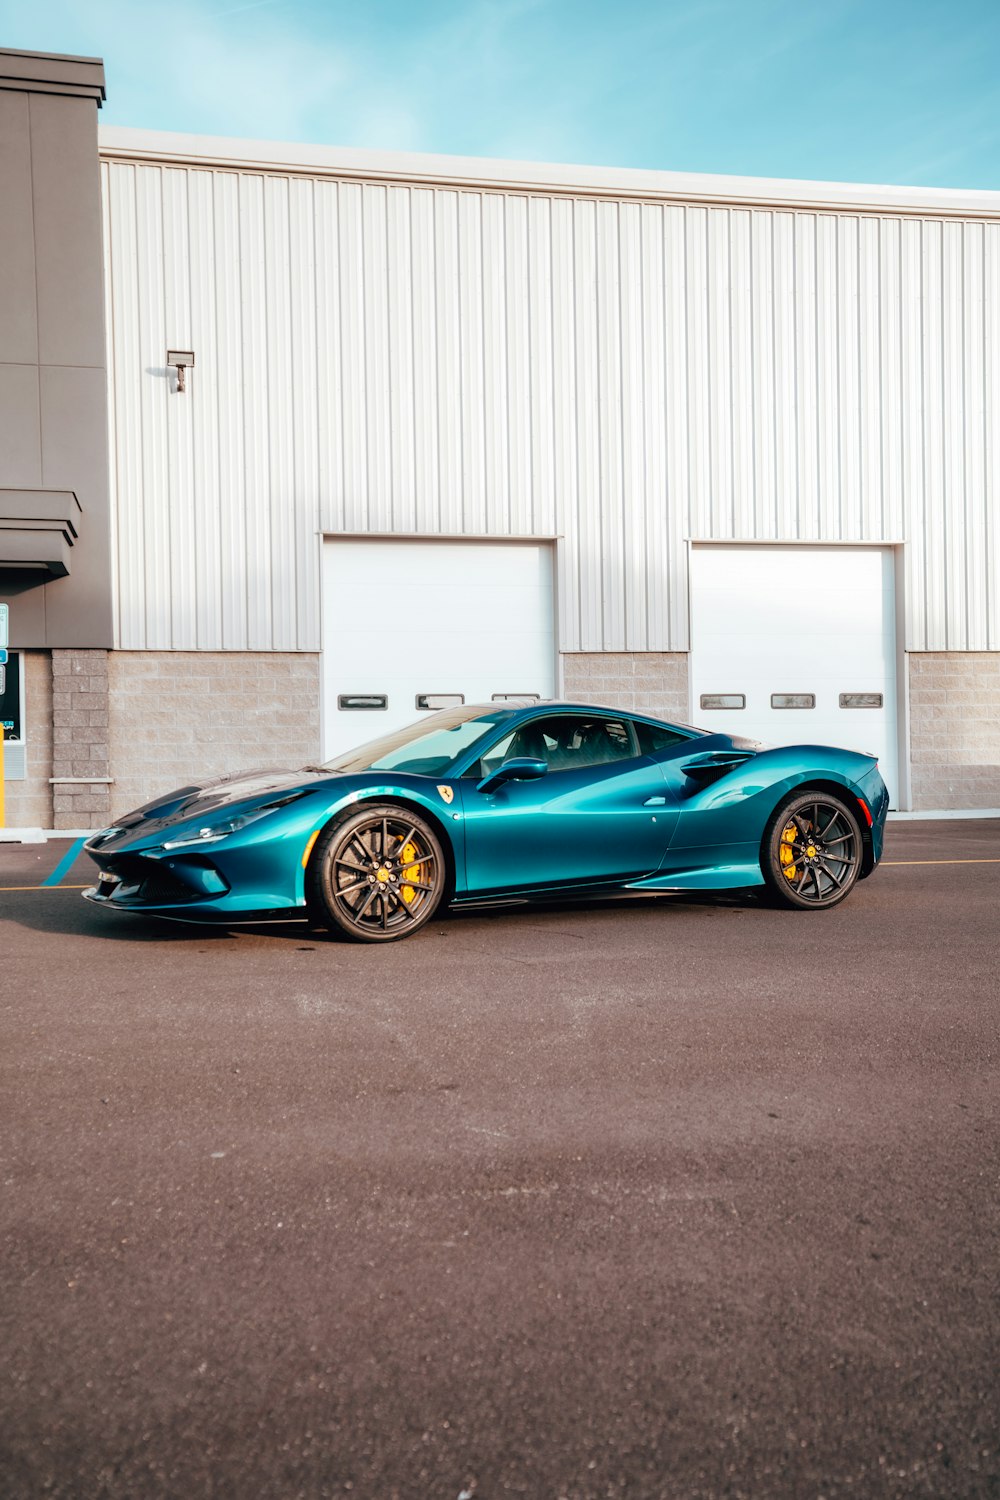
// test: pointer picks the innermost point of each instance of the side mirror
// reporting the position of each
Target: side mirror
(521, 768)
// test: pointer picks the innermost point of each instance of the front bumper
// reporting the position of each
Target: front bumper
(137, 881)
(228, 884)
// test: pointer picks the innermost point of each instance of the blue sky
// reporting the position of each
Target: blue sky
(890, 91)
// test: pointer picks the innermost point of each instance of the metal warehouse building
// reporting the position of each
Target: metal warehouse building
(300, 442)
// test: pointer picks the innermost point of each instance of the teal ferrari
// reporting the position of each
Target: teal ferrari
(492, 803)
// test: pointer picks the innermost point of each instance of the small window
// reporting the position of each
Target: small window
(515, 698)
(10, 696)
(861, 700)
(723, 700)
(654, 737)
(793, 700)
(14, 751)
(353, 702)
(440, 700)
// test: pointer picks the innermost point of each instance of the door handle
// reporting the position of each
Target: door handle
(655, 802)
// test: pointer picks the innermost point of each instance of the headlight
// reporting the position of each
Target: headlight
(216, 831)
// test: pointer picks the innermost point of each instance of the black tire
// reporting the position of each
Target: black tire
(355, 883)
(812, 851)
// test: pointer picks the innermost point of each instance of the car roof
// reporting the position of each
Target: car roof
(519, 705)
(523, 707)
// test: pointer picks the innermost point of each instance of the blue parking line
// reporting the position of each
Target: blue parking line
(64, 866)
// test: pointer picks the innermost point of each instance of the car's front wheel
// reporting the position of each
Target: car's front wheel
(376, 876)
(812, 851)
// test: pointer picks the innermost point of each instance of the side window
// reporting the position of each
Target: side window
(653, 737)
(566, 742)
(578, 742)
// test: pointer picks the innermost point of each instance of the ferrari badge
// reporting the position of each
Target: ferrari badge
(447, 793)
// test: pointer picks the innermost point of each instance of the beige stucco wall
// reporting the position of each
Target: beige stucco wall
(178, 716)
(653, 682)
(955, 729)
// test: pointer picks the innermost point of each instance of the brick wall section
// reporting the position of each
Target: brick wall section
(652, 682)
(955, 728)
(80, 738)
(29, 802)
(182, 716)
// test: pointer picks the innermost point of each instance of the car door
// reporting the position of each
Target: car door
(601, 812)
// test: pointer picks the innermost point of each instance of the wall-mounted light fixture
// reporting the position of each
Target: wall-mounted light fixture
(180, 360)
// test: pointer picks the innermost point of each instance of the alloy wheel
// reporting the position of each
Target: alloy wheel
(379, 875)
(815, 852)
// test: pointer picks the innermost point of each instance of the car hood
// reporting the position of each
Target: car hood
(196, 801)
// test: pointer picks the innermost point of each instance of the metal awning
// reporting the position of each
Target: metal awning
(37, 531)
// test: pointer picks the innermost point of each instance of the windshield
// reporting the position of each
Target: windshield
(428, 748)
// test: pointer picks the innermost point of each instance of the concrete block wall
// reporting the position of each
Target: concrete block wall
(178, 716)
(653, 682)
(955, 728)
(29, 802)
(80, 752)
(154, 720)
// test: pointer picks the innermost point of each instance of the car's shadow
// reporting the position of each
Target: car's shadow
(58, 912)
(55, 912)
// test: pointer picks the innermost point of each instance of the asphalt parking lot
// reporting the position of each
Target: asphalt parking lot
(651, 1199)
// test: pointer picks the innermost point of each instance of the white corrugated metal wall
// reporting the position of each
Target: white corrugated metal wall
(624, 375)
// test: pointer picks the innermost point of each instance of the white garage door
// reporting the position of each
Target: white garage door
(796, 645)
(412, 623)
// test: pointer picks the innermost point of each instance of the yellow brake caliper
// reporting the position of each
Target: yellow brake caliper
(786, 852)
(409, 871)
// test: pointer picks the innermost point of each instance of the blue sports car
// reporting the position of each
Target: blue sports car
(492, 802)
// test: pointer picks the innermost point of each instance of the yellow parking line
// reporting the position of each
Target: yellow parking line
(43, 888)
(940, 861)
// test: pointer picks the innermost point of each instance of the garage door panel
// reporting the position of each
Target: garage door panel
(780, 620)
(403, 618)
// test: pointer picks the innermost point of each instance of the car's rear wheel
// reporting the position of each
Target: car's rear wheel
(812, 851)
(377, 875)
